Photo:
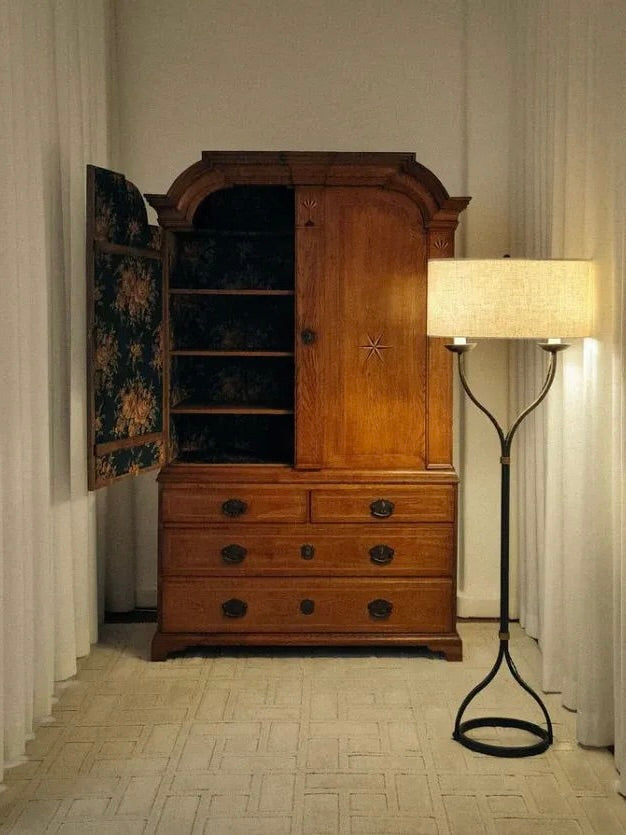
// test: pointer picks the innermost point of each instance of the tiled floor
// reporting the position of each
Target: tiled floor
(262, 742)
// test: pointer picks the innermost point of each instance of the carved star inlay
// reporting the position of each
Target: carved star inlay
(374, 347)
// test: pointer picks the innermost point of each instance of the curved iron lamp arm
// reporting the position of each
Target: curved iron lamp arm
(470, 393)
(505, 440)
(545, 735)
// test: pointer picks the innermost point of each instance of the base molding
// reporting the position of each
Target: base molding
(164, 643)
(477, 607)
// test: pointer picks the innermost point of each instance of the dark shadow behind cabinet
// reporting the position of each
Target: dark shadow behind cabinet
(266, 347)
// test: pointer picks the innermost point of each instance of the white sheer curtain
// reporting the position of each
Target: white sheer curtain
(568, 200)
(54, 101)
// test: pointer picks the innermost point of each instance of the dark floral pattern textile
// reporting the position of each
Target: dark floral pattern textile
(128, 357)
(260, 209)
(106, 357)
(234, 261)
(131, 460)
(120, 212)
(232, 323)
(155, 237)
(126, 398)
(234, 439)
(252, 381)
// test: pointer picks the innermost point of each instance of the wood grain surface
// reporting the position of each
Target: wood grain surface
(332, 550)
(410, 504)
(273, 604)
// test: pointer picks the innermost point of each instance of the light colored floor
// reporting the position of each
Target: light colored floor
(264, 743)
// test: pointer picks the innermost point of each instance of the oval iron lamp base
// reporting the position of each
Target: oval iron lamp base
(545, 738)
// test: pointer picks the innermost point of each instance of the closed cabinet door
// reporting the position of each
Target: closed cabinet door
(361, 317)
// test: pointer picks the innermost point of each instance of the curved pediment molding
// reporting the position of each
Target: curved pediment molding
(221, 169)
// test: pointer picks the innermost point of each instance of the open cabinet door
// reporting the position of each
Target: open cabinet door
(125, 328)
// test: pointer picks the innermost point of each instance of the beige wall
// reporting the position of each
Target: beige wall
(381, 75)
(289, 74)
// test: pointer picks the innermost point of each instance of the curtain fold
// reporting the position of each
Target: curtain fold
(568, 179)
(54, 97)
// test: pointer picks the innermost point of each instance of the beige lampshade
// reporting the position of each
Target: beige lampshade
(509, 298)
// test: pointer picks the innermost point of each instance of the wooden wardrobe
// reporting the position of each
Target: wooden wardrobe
(265, 346)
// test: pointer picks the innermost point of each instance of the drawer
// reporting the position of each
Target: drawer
(385, 503)
(298, 605)
(234, 504)
(377, 550)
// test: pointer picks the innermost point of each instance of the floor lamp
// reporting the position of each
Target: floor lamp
(507, 299)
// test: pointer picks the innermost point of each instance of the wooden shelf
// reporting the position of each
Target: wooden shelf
(184, 291)
(201, 458)
(186, 353)
(240, 233)
(193, 407)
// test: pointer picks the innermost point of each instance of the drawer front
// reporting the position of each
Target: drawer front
(234, 504)
(384, 503)
(298, 605)
(376, 550)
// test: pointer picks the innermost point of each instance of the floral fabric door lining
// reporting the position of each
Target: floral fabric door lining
(125, 315)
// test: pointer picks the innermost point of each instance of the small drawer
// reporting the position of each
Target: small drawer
(298, 605)
(376, 550)
(386, 503)
(234, 503)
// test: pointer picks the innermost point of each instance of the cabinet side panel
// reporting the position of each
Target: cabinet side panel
(439, 404)
(439, 385)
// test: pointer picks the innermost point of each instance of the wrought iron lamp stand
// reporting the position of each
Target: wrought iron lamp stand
(544, 735)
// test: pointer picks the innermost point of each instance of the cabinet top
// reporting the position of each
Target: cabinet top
(223, 169)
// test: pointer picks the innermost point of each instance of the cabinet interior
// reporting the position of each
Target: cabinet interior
(231, 329)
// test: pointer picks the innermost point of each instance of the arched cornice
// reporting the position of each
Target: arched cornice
(222, 169)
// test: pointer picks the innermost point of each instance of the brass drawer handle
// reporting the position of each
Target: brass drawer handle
(234, 608)
(381, 508)
(234, 553)
(234, 507)
(380, 609)
(307, 607)
(307, 552)
(381, 554)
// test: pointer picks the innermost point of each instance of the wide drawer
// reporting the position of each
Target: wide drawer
(377, 550)
(389, 503)
(265, 604)
(233, 504)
